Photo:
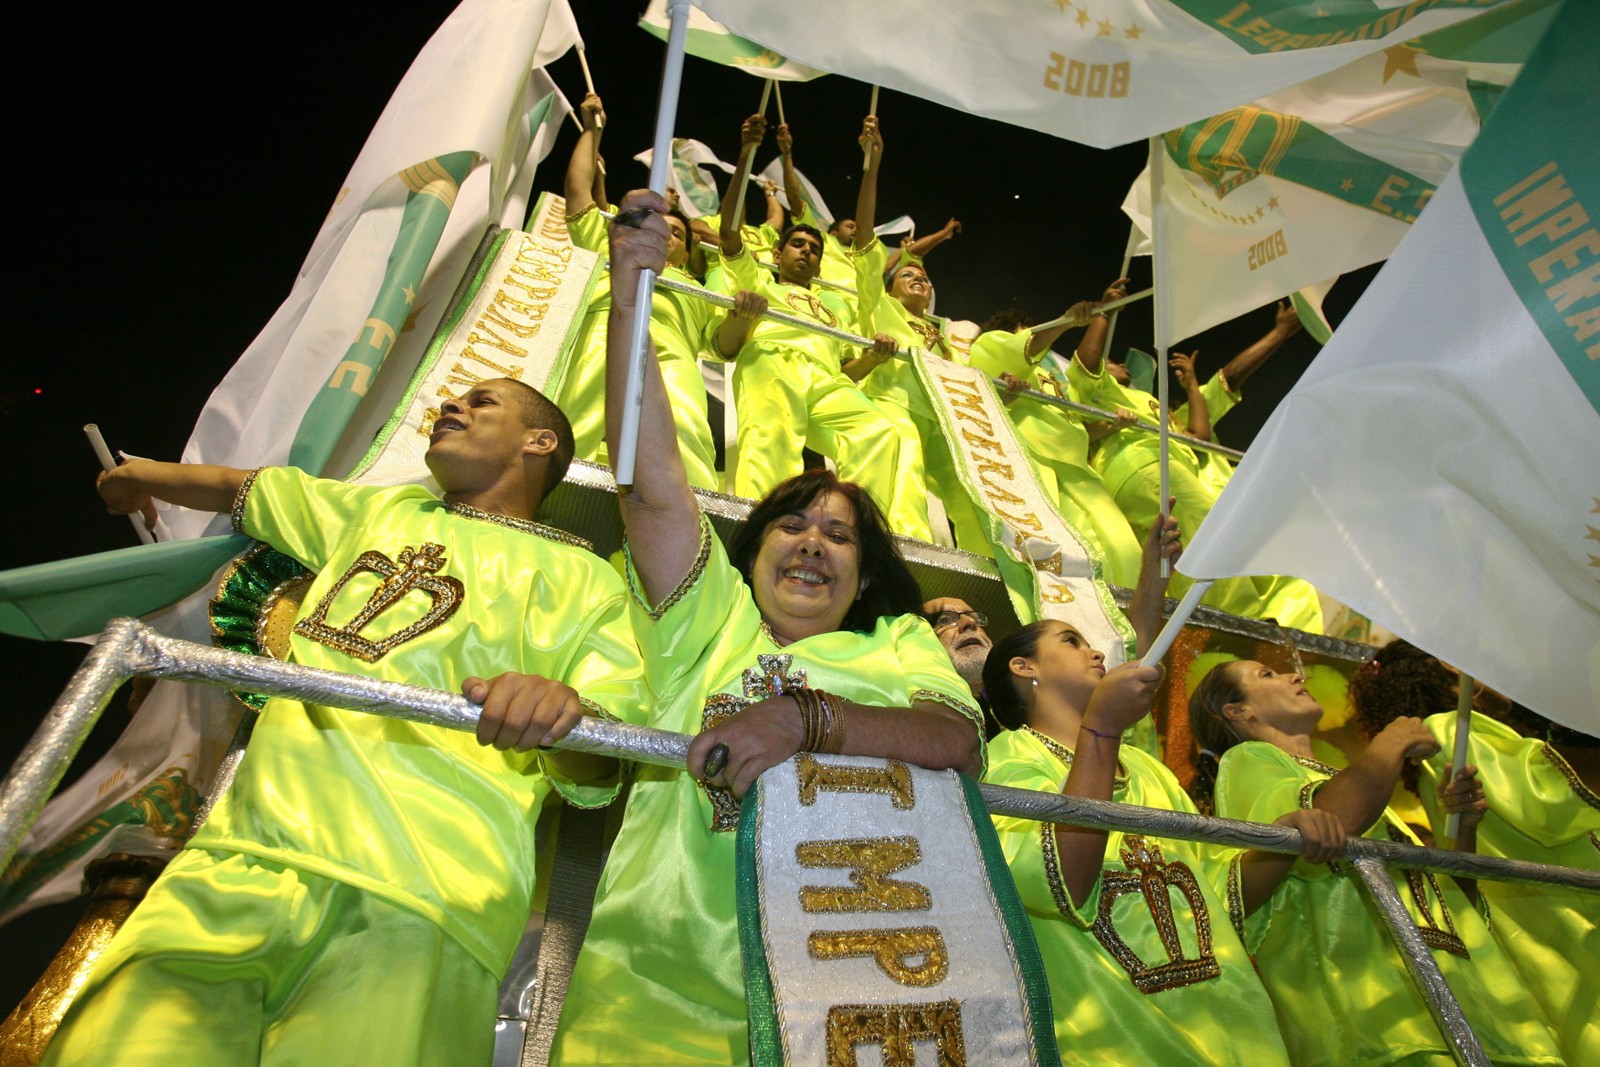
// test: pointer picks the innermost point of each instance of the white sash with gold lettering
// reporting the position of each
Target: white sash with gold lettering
(1032, 543)
(514, 320)
(879, 924)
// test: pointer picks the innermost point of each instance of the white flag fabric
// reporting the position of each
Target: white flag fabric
(476, 87)
(697, 193)
(773, 172)
(1297, 187)
(1100, 72)
(467, 91)
(1436, 466)
(711, 40)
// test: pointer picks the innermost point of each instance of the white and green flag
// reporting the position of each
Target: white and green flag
(1438, 466)
(453, 153)
(1298, 187)
(696, 191)
(712, 40)
(1100, 72)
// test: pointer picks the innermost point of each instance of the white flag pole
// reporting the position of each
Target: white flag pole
(1113, 306)
(1458, 759)
(777, 91)
(109, 462)
(1180, 615)
(660, 161)
(741, 177)
(872, 113)
(588, 81)
(1162, 284)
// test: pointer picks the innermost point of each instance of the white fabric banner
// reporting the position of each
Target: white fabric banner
(1435, 469)
(1101, 72)
(889, 938)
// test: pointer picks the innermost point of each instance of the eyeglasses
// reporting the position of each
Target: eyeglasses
(948, 618)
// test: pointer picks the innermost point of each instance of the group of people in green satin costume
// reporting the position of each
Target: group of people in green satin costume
(793, 389)
(357, 894)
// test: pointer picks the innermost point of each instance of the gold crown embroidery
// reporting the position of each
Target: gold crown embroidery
(1149, 873)
(773, 679)
(416, 570)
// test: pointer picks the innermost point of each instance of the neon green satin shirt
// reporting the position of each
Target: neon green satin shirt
(1336, 978)
(419, 815)
(1539, 811)
(1118, 996)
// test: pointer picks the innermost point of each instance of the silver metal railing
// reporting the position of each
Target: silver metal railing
(129, 648)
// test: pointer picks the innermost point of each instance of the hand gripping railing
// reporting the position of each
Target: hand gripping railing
(130, 648)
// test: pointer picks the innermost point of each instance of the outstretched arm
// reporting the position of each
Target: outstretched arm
(867, 199)
(1359, 793)
(582, 174)
(1092, 344)
(1199, 415)
(923, 245)
(1284, 326)
(791, 177)
(750, 136)
(659, 510)
(201, 486)
(1150, 593)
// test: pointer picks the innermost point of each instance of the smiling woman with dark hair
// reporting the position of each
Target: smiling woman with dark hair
(812, 608)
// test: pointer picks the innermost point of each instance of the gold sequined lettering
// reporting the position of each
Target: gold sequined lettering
(494, 340)
(505, 306)
(914, 955)
(977, 441)
(1029, 521)
(895, 1029)
(995, 492)
(892, 779)
(871, 861)
(989, 466)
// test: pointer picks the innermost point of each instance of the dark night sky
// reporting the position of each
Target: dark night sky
(179, 172)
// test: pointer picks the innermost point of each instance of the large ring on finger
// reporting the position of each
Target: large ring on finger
(716, 761)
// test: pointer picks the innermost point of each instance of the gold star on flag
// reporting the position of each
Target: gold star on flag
(411, 295)
(1083, 17)
(1273, 203)
(1596, 510)
(1105, 28)
(1402, 59)
(1346, 185)
(1133, 31)
(1592, 535)
(1063, 5)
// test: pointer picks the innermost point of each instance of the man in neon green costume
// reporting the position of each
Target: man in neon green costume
(357, 894)
(1057, 441)
(794, 387)
(680, 326)
(1129, 460)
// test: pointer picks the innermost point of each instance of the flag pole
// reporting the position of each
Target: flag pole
(109, 462)
(1113, 306)
(777, 92)
(1163, 290)
(660, 161)
(872, 113)
(1180, 615)
(741, 177)
(1452, 825)
(588, 81)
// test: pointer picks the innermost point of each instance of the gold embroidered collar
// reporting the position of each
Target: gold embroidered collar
(1064, 754)
(527, 526)
(1315, 765)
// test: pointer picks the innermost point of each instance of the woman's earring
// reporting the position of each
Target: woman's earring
(1035, 683)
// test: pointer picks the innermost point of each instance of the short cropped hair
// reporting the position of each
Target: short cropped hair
(539, 412)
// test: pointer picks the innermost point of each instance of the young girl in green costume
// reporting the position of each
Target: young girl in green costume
(1341, 992)
(811, 584)
(1120, 992)
(1540, 809)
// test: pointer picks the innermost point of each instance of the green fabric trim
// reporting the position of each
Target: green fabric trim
(1036, 987)
(74, 597)
(1531, 167)
(766, 1041)
(421, 226)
